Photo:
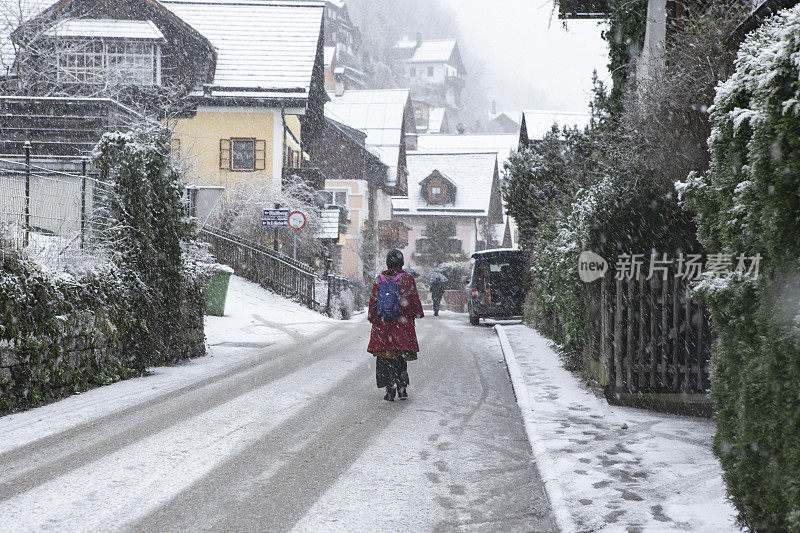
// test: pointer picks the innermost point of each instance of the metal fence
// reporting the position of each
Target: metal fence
(55, 215)
(280, 273)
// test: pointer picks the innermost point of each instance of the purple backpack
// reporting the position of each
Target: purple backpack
(388, 305)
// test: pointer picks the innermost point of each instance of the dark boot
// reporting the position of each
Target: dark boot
(389, 394)
(401, 392)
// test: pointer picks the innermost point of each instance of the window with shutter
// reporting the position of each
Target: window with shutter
(225, 154)
(261, 155)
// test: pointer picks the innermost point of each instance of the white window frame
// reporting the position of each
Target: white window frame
(250, 168)
(332, 194)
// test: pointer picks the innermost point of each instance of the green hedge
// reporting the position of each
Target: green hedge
(61, 332)
(59, 335)
(749, 203)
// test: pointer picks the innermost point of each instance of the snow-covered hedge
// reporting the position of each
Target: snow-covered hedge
(750, 203)
(62, 332)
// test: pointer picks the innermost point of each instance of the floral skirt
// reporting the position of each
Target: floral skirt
(406, 355)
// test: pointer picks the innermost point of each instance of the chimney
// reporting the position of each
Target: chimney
(494, 107)
(419, 38)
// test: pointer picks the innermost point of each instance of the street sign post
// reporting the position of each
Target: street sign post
(276, 213)
(273, 223)
(296, 221)
(275, 218)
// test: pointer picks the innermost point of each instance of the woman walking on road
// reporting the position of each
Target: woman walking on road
(393, 306)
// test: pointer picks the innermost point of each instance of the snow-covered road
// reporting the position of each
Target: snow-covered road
(282, 428)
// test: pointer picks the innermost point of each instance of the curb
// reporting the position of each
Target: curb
(549, 477)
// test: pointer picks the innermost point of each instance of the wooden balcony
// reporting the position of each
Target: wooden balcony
(392, 234)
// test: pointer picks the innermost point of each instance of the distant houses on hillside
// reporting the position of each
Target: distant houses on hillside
(270, 93)
(434, 70)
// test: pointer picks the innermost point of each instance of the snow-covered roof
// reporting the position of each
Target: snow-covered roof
(266, 46)
(472, 173)
(435, 119)
(377, 113)
(502, 144)
(109, 28)
(435, 51)
(539, 122)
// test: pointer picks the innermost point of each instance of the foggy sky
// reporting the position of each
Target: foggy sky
(530, 60)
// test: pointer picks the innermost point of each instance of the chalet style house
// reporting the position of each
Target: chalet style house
(434, 70)
(263, 103)
(460, 187)
(344, 40)
(240, 83)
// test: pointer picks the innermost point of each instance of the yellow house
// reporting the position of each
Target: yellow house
(264, 101)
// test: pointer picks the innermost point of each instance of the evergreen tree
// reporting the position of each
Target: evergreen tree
(440, 245)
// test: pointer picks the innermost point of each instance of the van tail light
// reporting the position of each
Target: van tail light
(474, 294)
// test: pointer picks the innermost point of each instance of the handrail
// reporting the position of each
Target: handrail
(235, 239)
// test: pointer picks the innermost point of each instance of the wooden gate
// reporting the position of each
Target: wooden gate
(653, 337)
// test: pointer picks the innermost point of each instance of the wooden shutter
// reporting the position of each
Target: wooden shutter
(261, 155)
(225, 154)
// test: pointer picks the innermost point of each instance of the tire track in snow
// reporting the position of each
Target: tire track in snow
(31, 465)
(138, 478)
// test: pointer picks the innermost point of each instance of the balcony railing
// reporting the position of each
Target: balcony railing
(393, 234)
(455, 81)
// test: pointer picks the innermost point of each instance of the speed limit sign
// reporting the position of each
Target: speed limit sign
(297, 220)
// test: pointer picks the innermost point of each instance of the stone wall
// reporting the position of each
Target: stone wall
(59, 336)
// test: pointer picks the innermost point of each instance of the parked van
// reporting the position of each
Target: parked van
(497, 285)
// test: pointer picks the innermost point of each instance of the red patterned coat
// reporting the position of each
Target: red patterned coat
(398, 334)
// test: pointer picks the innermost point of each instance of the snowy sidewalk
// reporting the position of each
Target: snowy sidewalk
(659, 474)
(256, 318)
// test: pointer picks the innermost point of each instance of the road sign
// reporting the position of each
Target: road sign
(297, 220)
(276, 213)
(274, 223)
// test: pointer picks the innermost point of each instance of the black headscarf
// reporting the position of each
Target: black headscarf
(394, 259)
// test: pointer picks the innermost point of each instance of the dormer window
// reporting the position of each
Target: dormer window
(437, 189)
(97, 62)
(102, 51)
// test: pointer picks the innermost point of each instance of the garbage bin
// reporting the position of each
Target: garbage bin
(217, 290)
